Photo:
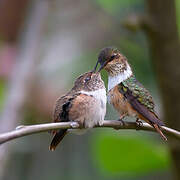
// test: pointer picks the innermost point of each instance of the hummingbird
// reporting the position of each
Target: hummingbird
(127, 95)
(85, 103)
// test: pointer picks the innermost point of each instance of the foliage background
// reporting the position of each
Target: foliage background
(72, 33)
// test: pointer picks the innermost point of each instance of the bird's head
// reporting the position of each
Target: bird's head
(112, 61)
(89, 81)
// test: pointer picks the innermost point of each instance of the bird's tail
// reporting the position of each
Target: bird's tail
(57, 139)
(160, 132)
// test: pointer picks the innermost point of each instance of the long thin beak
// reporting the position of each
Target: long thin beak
(94, 70)
(102, 66)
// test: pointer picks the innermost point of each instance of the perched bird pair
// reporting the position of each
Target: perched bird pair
(86, 102)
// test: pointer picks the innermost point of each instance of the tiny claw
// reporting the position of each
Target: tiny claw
(138, 124)
(74, 125)
(100, 123)
(122, 123)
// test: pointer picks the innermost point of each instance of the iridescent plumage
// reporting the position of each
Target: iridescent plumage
(128, 96)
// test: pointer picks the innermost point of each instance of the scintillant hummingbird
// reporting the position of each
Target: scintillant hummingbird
(85, 103)
(128, 96)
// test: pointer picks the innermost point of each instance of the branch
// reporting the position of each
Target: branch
(21, 131)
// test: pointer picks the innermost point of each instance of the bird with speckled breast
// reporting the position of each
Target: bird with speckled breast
(127, 95)
(85, 103)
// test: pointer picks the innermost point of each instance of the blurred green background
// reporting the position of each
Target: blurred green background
(44, 46)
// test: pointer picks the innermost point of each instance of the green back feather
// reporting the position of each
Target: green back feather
(138, 91)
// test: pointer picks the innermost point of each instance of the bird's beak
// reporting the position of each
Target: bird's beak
(94, 70)
(102, 66)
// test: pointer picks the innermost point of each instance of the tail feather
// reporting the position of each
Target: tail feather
(57, 139)
(160, 132)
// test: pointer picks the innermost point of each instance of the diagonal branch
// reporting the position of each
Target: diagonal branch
(21, 131)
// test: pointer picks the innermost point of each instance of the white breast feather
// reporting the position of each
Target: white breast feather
(97, 117)
(115, 80)
(99, 94)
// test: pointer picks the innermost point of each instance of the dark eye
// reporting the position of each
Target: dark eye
(87, 78)
(112, 57)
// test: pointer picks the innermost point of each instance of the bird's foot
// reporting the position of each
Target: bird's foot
(100, 123)
(122, 123)
(138, 124)
(74, 125)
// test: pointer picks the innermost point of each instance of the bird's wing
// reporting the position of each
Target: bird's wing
(62, 106)
(69, 107)
(61, 112)
(140, 99)
(72, 106)
(140, 92)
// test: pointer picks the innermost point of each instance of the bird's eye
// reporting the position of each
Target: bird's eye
(113, 56)
(87, 78)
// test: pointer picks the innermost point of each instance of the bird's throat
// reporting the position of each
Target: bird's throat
(120, 77)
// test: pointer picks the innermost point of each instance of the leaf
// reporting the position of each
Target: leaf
(128, 154)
